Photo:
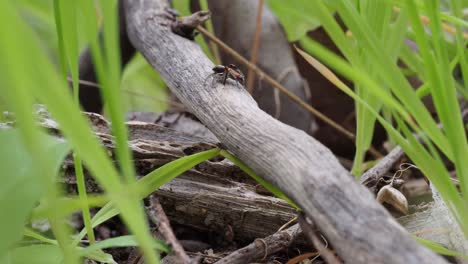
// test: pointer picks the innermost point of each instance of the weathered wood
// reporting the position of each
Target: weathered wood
(214, 196)
(359, 228)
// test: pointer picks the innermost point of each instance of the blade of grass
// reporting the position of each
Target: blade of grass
(107, 65)
(16, 91)
(72, 123)
(209, 26)
(377, 14)
(96, 253)
(121, 241)
(442, 88)
(456, 7)
(65, 17)
(351, 73)
(277, 192)
(436, 247)
(387, 70)
(432, 166)
(151, 182)
(68, 205)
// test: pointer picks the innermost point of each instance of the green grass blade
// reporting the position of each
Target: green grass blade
(68, 205)
(16, 90)
(376, 13)
(152, 181)
(436, 247)
(106, 59)
(65, 17)
(22, 187)
(60, 37)
(354, 74)
(73, 125)
(432, 166)
(273, 189)
(390, 73)
(121, 241)
(107, 65)
(442, 87)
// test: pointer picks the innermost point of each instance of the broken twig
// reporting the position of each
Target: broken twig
(261, 248)
(308, 229)
(159, 218)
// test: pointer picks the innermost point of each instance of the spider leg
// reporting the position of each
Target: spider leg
(225, 76)
(206, 79)
(214, 79)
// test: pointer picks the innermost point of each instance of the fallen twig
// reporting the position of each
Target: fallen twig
(159, 218)
(383, 166)
(309, 231)
(261, 248)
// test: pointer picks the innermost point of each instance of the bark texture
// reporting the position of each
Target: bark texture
(360, 229)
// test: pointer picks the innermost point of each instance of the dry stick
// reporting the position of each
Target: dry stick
(261, 248)
(383, 166)
(276, 94)
(386, 163)
(159, 218)
(285, 91)
(209, 25)
(180, 106)
(304, 256)
(255, 45)
(308, 229)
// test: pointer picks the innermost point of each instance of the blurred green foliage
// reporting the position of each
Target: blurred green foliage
(142, 87)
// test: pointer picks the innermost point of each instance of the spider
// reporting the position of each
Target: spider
(228, 72)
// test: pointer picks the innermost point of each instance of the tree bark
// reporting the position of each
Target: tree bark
(360, 229)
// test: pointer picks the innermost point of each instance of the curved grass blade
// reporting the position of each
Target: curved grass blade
(277, 192)
(121, 241)
(151, 182)
(65, 17)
